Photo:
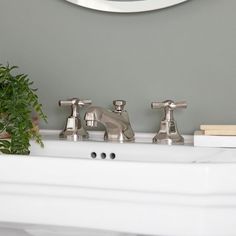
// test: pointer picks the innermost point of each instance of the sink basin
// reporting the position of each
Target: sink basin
(121, 189)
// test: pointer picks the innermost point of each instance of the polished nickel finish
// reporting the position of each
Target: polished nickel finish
(74, 129)
(168, 132)
(116, 122)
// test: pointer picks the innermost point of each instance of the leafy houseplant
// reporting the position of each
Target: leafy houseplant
(17, 102)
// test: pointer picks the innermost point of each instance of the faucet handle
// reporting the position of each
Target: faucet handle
(74, 127)
(119, 105)
(169, 104)
(76, 102)
(84, 103)
(168, 132)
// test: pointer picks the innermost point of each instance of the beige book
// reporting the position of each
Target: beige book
(220, 132)
(218, 127)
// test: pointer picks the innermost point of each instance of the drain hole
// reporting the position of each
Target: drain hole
(93, 154)
(112, 155)
(103, 155)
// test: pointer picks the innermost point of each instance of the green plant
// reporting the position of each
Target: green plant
(17, 102)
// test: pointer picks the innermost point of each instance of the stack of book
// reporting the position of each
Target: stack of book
(216, 136)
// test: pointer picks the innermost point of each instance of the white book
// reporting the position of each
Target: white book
(202, 140)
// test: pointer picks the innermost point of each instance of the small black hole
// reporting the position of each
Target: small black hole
(103, 155)
(93, 154)
(112, 155)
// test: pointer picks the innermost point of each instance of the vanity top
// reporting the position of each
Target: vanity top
(139, 166)
(141, 150)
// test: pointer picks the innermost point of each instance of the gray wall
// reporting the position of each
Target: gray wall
(186, 52)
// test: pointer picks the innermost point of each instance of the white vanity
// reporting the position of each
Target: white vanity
(104, 188)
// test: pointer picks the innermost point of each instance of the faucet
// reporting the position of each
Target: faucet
(116, 122)
(74, 129)
(168, 132)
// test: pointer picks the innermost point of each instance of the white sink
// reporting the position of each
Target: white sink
(146, 189)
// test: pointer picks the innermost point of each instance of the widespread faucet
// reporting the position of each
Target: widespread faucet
(116, 122)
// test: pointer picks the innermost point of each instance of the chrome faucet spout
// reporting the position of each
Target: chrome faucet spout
(117, 124)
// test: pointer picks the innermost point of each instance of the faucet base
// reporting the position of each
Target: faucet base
(73, 135)
(168, 134)
(121, 138)
(74, 130)
(168, 139)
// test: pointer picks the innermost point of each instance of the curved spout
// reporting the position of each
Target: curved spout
(117, 125)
